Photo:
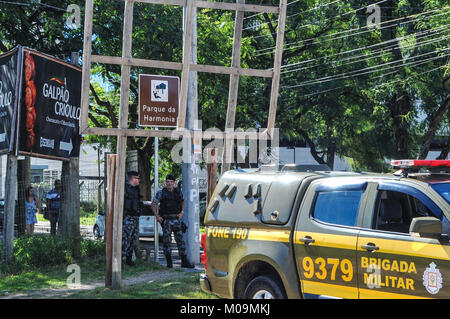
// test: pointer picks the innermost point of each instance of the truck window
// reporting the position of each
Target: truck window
(443, 189)
(337, 207)
(395, 211)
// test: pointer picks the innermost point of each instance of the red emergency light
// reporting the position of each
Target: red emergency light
(420, 163)
(203, 259)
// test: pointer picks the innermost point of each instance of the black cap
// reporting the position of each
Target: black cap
(132, 173)
(170, 177)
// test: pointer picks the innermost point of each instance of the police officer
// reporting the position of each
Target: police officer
(131, 212)
(171, 206)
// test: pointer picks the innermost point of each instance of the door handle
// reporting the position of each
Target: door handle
(307, 240)
(370, 247)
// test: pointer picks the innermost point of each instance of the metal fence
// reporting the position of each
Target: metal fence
(91, 201)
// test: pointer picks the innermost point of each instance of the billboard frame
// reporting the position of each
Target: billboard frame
(18, 117)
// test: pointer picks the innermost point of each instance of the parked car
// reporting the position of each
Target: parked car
(99, 225)
(146, 223)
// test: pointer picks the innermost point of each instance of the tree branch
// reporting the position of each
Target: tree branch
(313, 149)
(308, 43)
(3, 48)
(434, 125)
(93, 119)
(109, 107)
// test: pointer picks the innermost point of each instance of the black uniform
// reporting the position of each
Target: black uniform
(130, 226)
(169, 208)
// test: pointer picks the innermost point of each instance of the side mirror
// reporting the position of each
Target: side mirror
(426, 226)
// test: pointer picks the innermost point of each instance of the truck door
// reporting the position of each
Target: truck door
(325, 238)
(394, 263)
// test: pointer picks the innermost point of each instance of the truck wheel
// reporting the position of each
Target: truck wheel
(263, 287)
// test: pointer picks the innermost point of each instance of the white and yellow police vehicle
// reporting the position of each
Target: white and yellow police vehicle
(320, 234)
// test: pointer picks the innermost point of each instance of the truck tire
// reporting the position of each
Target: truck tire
(263, 287)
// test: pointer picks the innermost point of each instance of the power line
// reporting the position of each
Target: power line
(433, 30)
(344, 14)
(334, 17)
(372, 68)
(293, 15)
(313, 9)
(32, 4)
(384, 22)
(399, 80)
(343, 76)
(375, 54)
(288, 45)
(375, 87)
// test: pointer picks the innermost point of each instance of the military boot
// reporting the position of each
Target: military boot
(169, 260)
(185, 262)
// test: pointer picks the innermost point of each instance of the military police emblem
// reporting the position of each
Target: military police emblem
(432, 279)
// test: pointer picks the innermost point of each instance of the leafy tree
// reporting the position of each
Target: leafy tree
(347, 89)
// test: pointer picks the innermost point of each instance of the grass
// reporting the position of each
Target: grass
(84, 221)
(151, 280)
(166, 284)
(92, 270)
(40, 263)
(178, 285)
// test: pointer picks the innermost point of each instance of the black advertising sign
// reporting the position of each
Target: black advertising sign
(9, 69)
(49, 113)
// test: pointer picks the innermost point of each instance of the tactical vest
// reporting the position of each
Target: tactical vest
(132, 199)
(170, 203)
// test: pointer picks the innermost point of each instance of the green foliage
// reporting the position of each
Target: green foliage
(341, 91)
(87, 208)
(93, 249)
(39, 252)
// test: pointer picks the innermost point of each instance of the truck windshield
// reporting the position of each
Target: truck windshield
(443, 189)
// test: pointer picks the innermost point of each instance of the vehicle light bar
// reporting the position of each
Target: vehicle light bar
(420, 163)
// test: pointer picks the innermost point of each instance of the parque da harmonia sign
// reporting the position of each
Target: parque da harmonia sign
(48, 106)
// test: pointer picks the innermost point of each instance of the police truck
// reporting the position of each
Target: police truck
(274, 233)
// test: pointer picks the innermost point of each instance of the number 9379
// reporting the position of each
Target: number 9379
(327, 269)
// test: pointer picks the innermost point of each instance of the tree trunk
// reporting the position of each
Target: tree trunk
(144, 154)
(434, 126)
(314, 152)
(145, 168)
(331, 152)
(399, 107)
(400, 103)
(445, 151)
(23, 181)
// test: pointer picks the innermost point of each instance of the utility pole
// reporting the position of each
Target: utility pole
(156, 186)
(11, 184)
(10, 198)
(190, 167)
